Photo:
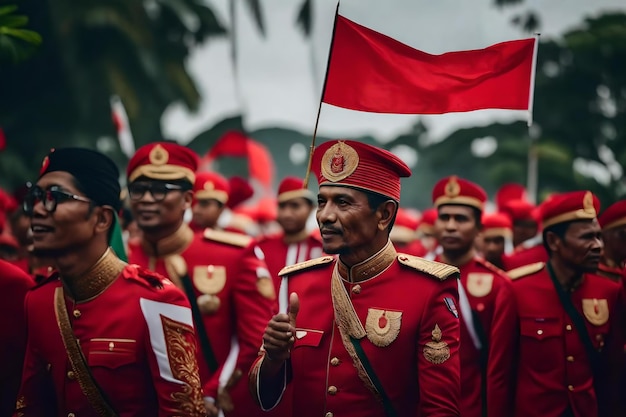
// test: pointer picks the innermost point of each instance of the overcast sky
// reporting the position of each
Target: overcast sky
(280, 76)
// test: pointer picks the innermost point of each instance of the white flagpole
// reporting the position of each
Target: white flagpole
(531, 92)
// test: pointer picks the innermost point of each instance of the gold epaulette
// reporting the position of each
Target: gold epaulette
(230, 238)
(436, 269)
(525, 270)
(288, 270)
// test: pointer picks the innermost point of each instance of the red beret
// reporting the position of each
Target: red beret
(427, 222)
(211, 186)
(613, 216)
(457, 191)
(163, 161)
(519, 210)
(566, 207)
(291, 187)
(497, 224)
(348, 163)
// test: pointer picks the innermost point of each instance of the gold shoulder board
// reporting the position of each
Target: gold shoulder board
(288, 270)
(230, 238)
(525, 270)
(436, 269)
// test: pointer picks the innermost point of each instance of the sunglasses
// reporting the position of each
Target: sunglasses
(50, 198)
(158, 190)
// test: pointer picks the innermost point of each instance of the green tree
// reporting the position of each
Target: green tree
(16, 42)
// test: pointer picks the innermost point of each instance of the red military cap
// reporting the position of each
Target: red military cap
(291, 187)
(519, 210)
(405, 227)
(457, 191)
(163, 161)
(427, 222)
(497, 224)
(508, 192)
(211, 186)
(240, 191)
(613, 216)
(348, 163)
(566, 207)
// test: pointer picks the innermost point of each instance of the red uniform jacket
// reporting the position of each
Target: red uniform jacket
(490, 295)
(138, 339)
(524, 257)
(554, 371)
(279, 254)
(14, 284)
(235, 295)
(412, 338)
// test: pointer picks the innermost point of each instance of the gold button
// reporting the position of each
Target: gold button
(570, 359)
(356, 289)
(568, 327)
(332, 390)
(334, 361)
(77, 313)
(539, 331)
(329, 414)
(70, 375)
(71, 415)
(48, 367)
(599, 337)
(570, 387)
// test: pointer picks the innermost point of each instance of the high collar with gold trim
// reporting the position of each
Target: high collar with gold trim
(97, 278)
(369, 268)
(175, 243)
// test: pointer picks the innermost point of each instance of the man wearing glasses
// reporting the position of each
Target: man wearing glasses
(229, 288)
(104, 337)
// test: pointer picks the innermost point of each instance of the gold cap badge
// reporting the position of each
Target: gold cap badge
(339, 162)
(453, 188)
(159, 156)
(209, 186)
(588, 206)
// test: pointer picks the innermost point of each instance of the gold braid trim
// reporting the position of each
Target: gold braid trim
(525, 270)
(436, 269)
(349, 325)
(181, 352)
(97, 278)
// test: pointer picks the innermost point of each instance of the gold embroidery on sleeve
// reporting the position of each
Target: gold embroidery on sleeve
(437, 351)
(181, 352)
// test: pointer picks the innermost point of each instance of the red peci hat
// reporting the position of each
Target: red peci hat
(566, 207)
(292, 187)
(427, 222)
(163, 161)
(520, 210)
(497, 224)
(354, 164)
(211, 186)
(457, 191)
(613, 216)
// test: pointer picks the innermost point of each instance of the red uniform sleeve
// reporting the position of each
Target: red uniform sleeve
(502, 353)
(438, 362)
(171, 352)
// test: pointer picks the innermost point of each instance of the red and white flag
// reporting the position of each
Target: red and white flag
(122, 126)
(371, 72)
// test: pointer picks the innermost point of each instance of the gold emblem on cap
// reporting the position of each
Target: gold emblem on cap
(453, 188)
(339, 162)
(209, 186)
(588, 206)
(159, 156)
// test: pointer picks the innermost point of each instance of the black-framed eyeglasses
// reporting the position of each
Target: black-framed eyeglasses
(49, 197)
(158, 190)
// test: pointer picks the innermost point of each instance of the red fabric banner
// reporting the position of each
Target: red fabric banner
(371, 72)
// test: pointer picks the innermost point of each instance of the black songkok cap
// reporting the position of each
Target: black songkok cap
(96, 173)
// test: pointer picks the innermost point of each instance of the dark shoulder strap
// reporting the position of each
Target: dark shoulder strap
(87, 383)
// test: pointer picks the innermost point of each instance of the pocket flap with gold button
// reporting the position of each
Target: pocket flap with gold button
(111, 353)
(308, 337)
(209, 279)
(596, 311)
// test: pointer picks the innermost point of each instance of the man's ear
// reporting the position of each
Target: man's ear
(188, 199)
(104, 219)
(386, 214)
(553, 241)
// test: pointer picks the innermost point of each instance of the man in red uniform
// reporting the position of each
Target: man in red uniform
(569, 343)
(104, 337)
(496, 237)
(370, 332)
(295, 244)
(229, 288)
(489, 322)
(528, 246)
(426, 233)
(14, 284)
(210, 195)
(613, 223)
(404, 234)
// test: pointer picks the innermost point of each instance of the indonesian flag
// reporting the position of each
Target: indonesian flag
(3, 140)
(122, 126)
(371, 72)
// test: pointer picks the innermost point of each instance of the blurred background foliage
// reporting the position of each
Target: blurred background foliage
(61, 60)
